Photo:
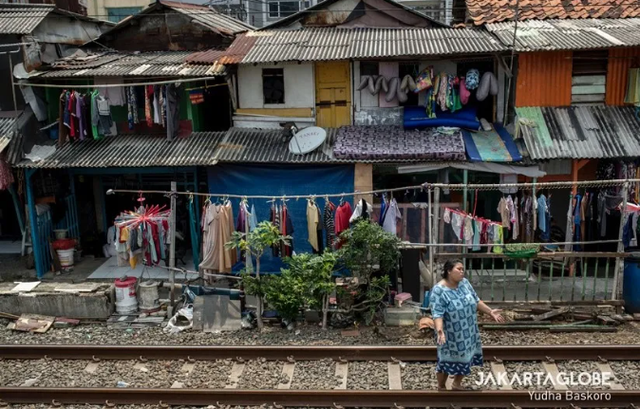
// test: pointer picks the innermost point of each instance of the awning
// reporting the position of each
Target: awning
(528, 171)
(491, 146)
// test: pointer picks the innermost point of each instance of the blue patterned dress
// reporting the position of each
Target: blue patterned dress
(458, 309)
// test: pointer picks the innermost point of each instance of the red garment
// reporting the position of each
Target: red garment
(343, 214)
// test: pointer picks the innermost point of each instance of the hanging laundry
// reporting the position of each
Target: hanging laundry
(313, 221)
(71, 103)
(148, 102)
(138, 233)
(253, 219)
(392, 215)
(505, 214)
(173, 114)
(157, 96)
(132, 107)
(383, 205)
(329, 223)
(275, 220)
(115, 95)
(362, 211)
(95, 115)
(217, 227)
(343, 214)
(477, 232)
(105, 122)
(542, 211)
(498, 239)
(286, 228)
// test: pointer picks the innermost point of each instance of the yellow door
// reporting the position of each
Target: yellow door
(333, 94)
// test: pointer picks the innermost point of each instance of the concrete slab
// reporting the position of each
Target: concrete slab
(44, 300)
(220, 313)
(109, 270)
(10, 247)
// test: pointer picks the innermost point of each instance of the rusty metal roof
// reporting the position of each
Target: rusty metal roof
(493, 11)
(210, 18)
(538, 35)
(266, 146)
(22, 18)
(156, 63)
(133, 151)
(205, 57)
(330, 43)
(580, 132)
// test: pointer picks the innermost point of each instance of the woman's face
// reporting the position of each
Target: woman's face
(457, 273)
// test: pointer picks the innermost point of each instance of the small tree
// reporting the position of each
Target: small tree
(314, 273)
(264, 236)
(370, 253)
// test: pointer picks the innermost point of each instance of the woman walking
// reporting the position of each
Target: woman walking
(454, 304)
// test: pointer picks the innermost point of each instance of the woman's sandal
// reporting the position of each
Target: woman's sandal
(461, 388)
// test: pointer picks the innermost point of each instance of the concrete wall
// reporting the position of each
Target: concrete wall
(98, 8)
(299, 86)
(79, 306)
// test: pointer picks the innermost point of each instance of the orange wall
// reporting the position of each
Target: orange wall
(544, 79)
(620, 60)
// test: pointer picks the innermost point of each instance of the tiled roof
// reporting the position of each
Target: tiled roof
(134, 151)
(536, 35)
(493, 11)
(210, 18)
(580, 132)
(330, 43)
(156, 63)
(23, 18)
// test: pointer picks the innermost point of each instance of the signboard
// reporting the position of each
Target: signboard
(307, 140)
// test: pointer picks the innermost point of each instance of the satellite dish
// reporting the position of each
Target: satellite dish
(307, 140)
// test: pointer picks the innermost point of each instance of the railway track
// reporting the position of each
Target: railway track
(396, 368)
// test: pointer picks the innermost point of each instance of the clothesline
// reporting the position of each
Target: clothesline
(286, 197)
(551, 243)
(133, 84)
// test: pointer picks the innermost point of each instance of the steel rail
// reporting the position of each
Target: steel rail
(316, 398)
(307, 353)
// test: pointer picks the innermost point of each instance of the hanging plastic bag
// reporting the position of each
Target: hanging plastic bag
(181, 321)
(424, 80)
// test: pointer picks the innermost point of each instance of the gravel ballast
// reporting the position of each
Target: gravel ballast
(315, 375)
(368, 375)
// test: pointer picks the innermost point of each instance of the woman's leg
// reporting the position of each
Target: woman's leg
(442, 380)
(457, 382)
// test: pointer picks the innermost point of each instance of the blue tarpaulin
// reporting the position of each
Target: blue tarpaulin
(276, 181)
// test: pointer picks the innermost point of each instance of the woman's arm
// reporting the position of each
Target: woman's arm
(439, 331)
(495, 314)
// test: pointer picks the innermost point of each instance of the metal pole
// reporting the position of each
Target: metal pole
(172, 235)
(436, 228)
(431, 218)
(617, 287)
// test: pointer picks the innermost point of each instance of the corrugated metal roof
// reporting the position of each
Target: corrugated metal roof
(580, 132)
(538, 35)
(134, 151)
(156, 63)
(330, 43)
(23, 18)
(210, 18)
(266, 146)
(7, 132)
(205, 57)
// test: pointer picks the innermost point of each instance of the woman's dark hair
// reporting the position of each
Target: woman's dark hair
(448, 266)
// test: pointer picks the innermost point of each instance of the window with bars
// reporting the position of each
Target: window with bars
(280, 9)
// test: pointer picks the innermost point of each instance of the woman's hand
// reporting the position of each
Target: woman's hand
(495, 314)
(441, 338)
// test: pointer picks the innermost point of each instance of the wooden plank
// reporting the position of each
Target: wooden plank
(342, 372)
(589, 79)
(604, 367)
(552, 369)
(395, 376)
(607, 320)
(582, 328)
(287, 370)
(234, 377)
(498, 370)
(588, 89)
(551, 314)
(588, 98)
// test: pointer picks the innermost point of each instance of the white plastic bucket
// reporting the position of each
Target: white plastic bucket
(60, 234)
(126, 300)
(66, 257)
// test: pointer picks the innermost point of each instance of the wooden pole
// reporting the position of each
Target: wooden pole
(172, 246)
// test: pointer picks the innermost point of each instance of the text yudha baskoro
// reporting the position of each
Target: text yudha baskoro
(581, 396)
